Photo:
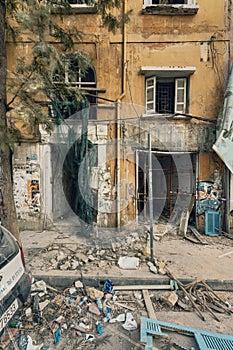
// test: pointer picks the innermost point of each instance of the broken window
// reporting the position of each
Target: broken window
(166, 95)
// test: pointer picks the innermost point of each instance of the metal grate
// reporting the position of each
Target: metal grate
(205, 340)
(212, 222)
(210, 342)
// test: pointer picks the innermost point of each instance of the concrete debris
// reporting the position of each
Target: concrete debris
(78, 284)
(169, 298)
(94, 293)
(152, 267)
(93, 308)
(81, 315)
(128, 263)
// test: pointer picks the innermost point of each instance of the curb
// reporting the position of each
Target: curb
(98, 282)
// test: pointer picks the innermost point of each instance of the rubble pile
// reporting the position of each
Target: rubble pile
(77, 316)
(81, 317)
(91, 255)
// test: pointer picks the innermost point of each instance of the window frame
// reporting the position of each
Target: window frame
(190, 8)
(79, 8)
(189, 3)
(79, 83)
(87, 86)
(148, 88)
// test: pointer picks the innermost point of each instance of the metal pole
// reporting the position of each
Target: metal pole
(136, 191)
(150, 198)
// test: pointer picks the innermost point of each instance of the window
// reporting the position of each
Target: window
(166, 95)
(81, 2)
(75, 78)
(166, 88)
(85, 6)
(80, 6)
(73, 75)
(170, 2)
(170, 7)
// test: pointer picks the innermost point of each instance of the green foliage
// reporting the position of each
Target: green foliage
(39, 80)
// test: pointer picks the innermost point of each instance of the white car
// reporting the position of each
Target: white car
(15, 282)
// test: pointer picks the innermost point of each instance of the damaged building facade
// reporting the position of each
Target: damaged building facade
(158, 87)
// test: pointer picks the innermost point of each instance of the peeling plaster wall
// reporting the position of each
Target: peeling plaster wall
(200, 40)
(27, 189)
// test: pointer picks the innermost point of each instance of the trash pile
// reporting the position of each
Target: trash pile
(77, 316)
(82, 317)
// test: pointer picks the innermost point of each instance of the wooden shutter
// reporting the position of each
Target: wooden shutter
(150, 94)
(180, 95)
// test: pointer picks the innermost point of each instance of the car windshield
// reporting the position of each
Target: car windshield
(8, 247)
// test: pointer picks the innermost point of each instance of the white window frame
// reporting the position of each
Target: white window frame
(176, 103)
(189, 3)
(148, 89)
(184, 88)
(79, 83)
(81, 5)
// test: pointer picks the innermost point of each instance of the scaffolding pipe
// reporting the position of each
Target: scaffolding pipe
(150, 198)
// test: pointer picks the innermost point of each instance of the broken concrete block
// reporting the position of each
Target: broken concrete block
(152, 267)
(60, 256)
(72, 290)
(92, 308)
(137, 295)
(94, 293)
(28, 312)
(43, 304)
(78, 284)
(74, 264)
(162, 272)
(161, 264)
(65, 266)
(130, 263)
(169, 298)
(91, 258)
(82, 257)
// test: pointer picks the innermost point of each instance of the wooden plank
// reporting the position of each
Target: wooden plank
(124, 306)
(141, 287)
(197, 234)
(149, 305)
(185, 218)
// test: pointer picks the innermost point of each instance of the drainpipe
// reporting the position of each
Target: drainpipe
(118, 101)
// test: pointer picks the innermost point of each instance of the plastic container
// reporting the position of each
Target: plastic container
(99, 304)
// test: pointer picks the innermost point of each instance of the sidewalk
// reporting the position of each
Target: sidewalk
(49, 255)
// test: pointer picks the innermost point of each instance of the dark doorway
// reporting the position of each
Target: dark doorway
(173, 182)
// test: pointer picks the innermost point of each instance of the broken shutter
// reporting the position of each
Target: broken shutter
(180, 95)
(150, 94)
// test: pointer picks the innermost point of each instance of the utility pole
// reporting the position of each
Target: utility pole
(150, 197)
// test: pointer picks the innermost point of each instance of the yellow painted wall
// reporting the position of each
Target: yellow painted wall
(154, 40)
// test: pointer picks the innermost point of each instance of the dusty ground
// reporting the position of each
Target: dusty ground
(185, 259)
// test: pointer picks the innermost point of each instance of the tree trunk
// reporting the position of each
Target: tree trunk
(7, 206)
